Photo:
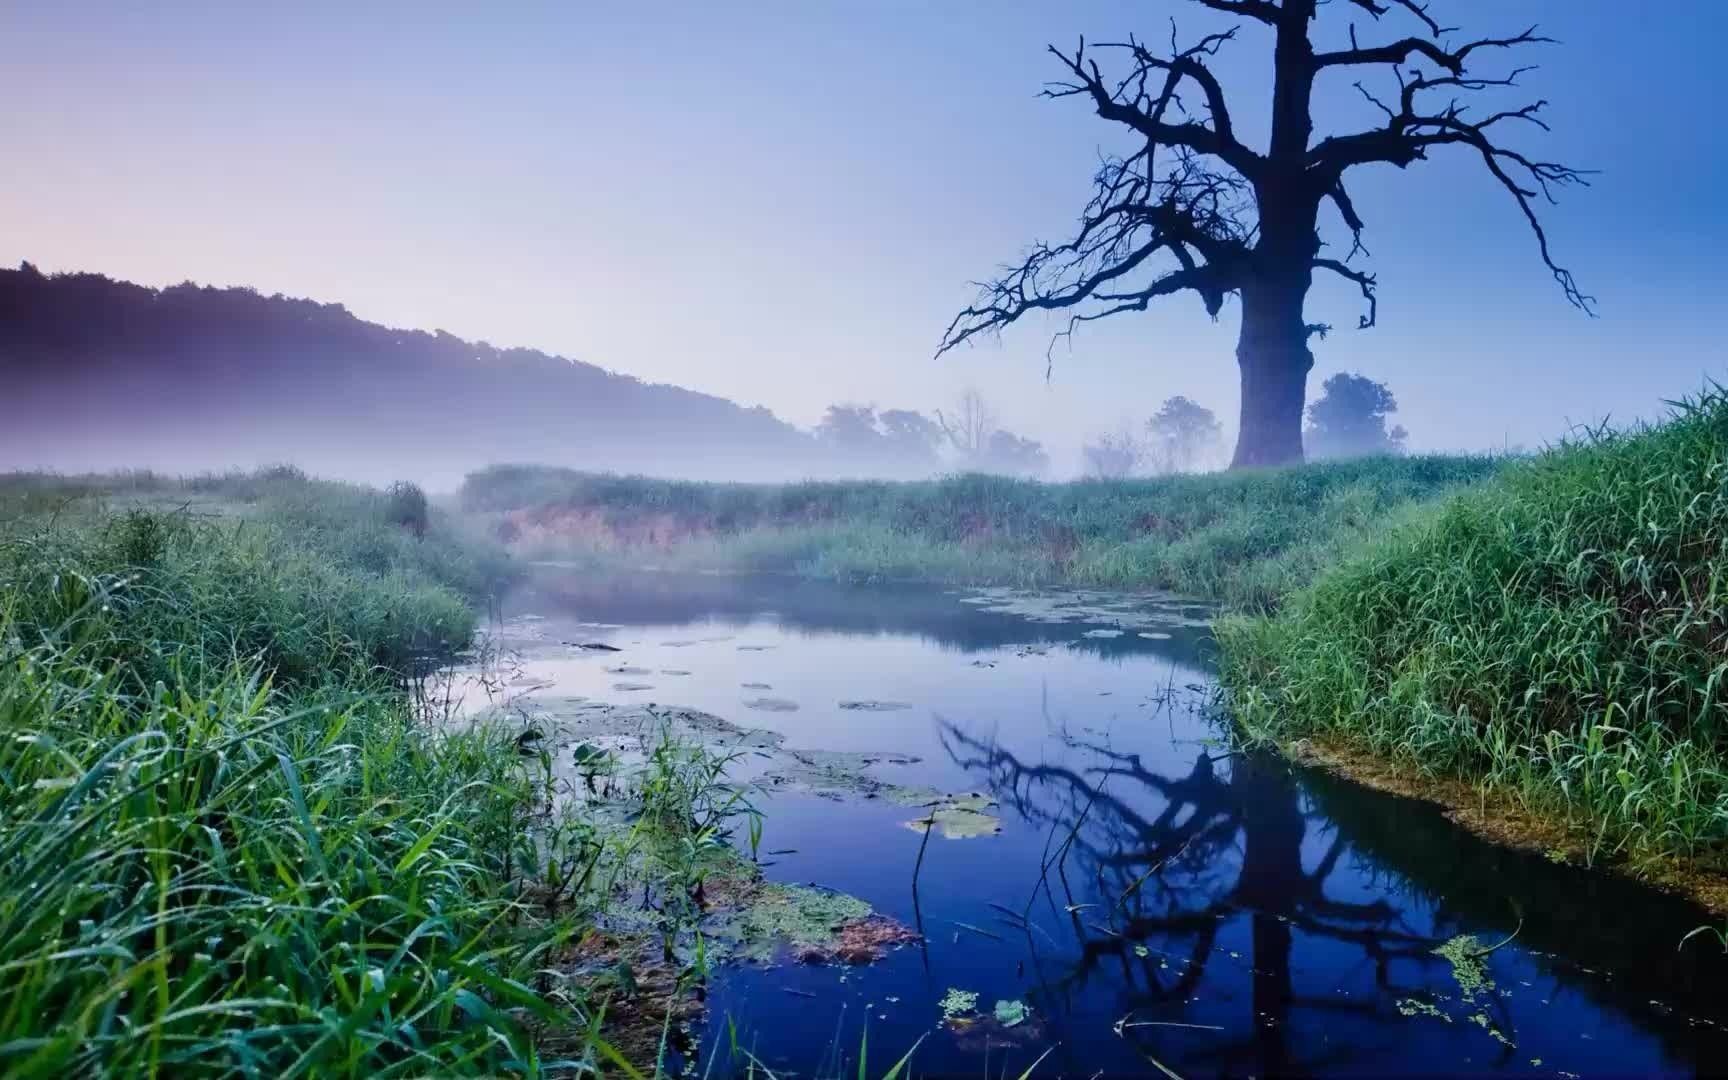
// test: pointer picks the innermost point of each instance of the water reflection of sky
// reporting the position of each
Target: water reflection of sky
(1213, 913)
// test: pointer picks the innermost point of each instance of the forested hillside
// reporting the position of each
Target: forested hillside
(101, 373)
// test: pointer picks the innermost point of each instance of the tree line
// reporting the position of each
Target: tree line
(1347, 420)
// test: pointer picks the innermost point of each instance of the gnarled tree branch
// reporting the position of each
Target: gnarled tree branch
(1413, 128)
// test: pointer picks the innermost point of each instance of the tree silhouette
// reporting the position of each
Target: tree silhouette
(896, 442)
(1164, 859)
(1114, 454)
(1196, 209)
(1185, 432)
(1349, 419)
(1015, 455)
(912, 438)
(970, 426)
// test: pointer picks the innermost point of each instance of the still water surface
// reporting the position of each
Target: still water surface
(1215, 914)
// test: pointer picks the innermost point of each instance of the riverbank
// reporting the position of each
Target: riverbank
(1241, 539)
(242, 831)
(1553, 640)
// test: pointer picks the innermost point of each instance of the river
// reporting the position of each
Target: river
(1152, 900)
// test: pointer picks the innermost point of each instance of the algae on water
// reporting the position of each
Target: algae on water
(957, 1004)
(1470, 971)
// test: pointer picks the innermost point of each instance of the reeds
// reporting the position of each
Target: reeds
(1242, 538)
(1559, 635)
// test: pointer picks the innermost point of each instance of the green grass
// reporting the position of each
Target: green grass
(1559, 635)
(230, 845)
(1242, 538)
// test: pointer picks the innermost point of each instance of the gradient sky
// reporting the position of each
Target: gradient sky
(782, 202)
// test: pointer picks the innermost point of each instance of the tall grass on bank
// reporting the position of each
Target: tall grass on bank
(1243, 538)
(1560, 635)
(225, 844)
(349, 526)
(208, 877)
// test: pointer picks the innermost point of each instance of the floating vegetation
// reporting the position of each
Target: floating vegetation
(958, 1004)
(631, 687)
(771, 704)
(1126, 611)
(1469, 969)
(1011, 1013)
(1467, 958)
(1418, 1007)
(756, 686)
(629, 671)
(875, 706)
(960, 817)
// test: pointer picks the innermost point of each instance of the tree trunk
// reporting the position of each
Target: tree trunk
(1272, 354)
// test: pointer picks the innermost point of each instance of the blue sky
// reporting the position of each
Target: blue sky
(783, 202)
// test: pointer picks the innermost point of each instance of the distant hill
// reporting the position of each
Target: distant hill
(98, 374)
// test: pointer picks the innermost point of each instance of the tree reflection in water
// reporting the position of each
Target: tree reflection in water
(1146, 869)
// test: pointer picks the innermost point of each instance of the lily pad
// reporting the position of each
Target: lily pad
(629, 687)
(960, 818)
(771, 704)
(875, 706)
(629, 671)
(756, 686)
(1102, 634)
(672, 671)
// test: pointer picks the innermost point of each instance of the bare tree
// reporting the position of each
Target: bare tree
(1113, 455)
(970, 427)
(1195, 209)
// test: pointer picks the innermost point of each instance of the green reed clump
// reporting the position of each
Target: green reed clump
(225, 844)
(1244, 538)
(207, 877)
(228, 844)
(1560, 634)
(350, 526)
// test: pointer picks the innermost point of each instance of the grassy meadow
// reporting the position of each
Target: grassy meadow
(1244, 539)
(1558, 636)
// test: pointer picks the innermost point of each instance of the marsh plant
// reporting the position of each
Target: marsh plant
(231, 844)
(1244, 538)
(1555, 636)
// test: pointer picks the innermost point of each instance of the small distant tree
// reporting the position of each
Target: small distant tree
(851, 429)
(1114, 454)
(897, 441)
(1015, 455)
(1184, 433)
(912, 439)
(968, 427)
(1349, 419)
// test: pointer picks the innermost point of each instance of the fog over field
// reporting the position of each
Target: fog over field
(785, 216)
